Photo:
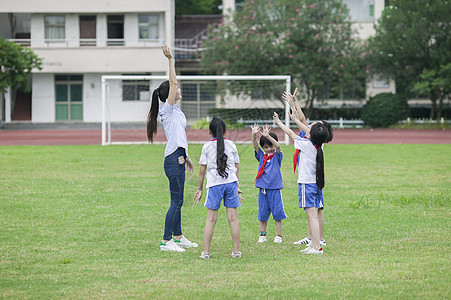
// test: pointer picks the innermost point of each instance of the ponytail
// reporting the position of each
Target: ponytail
(320, 168)
(217, 128)
(160, 93)
(319, 134)
(152, 117)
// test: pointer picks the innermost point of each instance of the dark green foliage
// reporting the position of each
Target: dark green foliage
(413, 44)
(16, 63)
(197, 7)
(277, 37)
(384, 110)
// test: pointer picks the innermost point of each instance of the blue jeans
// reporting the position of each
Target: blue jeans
(174, 168)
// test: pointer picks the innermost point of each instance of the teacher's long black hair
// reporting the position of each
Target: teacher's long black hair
(160, 93)
(217, 129)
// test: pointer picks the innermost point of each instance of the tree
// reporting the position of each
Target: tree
(438, 81)
(16, 63)
(309, 39)
(413, 38)
(197, 7)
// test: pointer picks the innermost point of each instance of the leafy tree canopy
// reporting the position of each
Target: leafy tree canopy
(197, 7)
(413, 38)
(308, 39)
(16, 63)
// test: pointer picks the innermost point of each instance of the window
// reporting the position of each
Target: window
(55, 27)
(148, 26)
(115, 30)
(135, 90)
(361, 10)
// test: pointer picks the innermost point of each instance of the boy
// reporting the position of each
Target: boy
(269, 181)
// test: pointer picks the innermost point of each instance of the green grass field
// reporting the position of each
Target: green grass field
(86, 221)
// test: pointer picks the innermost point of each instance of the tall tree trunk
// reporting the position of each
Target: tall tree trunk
(434, 105)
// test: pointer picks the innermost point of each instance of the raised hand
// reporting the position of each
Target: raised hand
(167, 52)
(255, 128)
(275, 116)
(265, 131)
(288, 97)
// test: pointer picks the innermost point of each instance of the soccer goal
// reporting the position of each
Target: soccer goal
(239, 100)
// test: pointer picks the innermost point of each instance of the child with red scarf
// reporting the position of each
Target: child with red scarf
(269, 181)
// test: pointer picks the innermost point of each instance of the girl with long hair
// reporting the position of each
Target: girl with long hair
(298, 117)
(310, 175)
(176, 154)
(219, 161)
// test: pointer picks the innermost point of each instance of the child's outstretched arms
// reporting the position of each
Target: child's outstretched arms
(200, 184)
(282, 126)
(255, 129)
(265, 133)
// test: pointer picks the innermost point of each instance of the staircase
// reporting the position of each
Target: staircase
(22, 107)
(191, 32)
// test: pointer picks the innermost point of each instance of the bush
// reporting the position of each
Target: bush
(385, 109)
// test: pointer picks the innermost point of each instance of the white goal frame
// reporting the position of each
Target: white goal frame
(106, 124)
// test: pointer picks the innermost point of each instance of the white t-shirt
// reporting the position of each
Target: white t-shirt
(174, 123)
(307, 160)
(208, 158)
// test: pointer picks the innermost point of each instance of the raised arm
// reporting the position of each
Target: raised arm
(172, 76)
(255, 129)
(200, 184)
(275, 143)
(301, 115)
(282, 126)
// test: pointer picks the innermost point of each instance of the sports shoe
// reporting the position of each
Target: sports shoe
(262, 239)
(205, 255)
(314, 251)
(236, 254)
(307, 248)
(303, 241)
(278, 239)
(170, 246)
(185, 243)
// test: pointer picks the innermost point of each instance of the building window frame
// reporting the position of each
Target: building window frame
(55, 28)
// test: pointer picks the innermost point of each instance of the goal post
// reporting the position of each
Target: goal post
(126, 100)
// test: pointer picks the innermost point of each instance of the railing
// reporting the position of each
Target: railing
(191, 48)
(340, 123)
(76, 43)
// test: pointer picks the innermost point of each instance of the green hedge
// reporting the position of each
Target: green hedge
(232, 115)
(385, 109)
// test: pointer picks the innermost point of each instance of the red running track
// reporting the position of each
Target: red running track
(341, 136)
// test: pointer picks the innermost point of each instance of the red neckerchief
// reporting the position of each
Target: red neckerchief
(262, 168)
(296, 157)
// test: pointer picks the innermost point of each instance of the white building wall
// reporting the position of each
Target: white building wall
(92, 98)
(83, 6)
(43, 103)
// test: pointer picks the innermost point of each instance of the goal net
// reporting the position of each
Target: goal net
(240, 100)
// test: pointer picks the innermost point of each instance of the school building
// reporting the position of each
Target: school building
(79, 41)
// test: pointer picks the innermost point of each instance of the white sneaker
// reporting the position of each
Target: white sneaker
(170, 246)
(303, 241)
(185, 243)
(278, 239)
(262, 239)
(314, 251)
(308, 248)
